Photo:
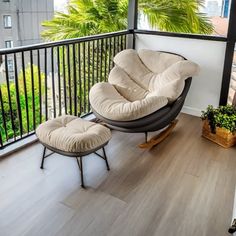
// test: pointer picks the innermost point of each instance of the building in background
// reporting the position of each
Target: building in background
(20, 25)
(20, 21)
(220, 8)
(213, 8)
(225, 8)
(218, 11)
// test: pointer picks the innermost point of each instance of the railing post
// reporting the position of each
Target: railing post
(132, 22)
(229, 54)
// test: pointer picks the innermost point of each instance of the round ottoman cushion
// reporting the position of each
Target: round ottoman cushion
(72, 134)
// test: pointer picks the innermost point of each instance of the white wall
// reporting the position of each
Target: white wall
(205, 88)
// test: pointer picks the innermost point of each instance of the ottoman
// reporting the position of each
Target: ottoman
(74, 137)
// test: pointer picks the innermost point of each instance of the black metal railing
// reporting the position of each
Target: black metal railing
(47, 80)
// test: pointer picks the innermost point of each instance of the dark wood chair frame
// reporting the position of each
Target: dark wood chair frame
(78, 155)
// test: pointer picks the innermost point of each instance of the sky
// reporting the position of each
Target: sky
(59, 5)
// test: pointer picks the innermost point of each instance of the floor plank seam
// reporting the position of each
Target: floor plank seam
(187, 173)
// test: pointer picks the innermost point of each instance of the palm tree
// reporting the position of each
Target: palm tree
(87, 17)
(176, 15)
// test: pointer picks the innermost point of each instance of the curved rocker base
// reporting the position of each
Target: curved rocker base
(160, 137)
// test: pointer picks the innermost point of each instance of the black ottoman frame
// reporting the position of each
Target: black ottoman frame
(78, 155)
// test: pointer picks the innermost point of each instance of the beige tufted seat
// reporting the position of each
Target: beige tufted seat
(140, 84)
(73, 136)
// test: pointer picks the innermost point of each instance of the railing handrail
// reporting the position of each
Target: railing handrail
(181, 35)
(63, 42)
(5, 51)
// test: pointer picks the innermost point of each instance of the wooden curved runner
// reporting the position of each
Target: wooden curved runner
(160, 137)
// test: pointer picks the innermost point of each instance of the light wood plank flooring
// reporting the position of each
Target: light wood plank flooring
(183, 187)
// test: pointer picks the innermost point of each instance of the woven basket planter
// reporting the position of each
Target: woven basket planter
(223, 137)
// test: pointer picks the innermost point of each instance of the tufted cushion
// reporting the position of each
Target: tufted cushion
(141, 83)
(110, 104)
(72, 134)
(128, 88)
(170, 83)
(158, 62)
(129, 61)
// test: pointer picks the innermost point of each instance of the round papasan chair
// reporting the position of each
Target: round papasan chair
(145, 92)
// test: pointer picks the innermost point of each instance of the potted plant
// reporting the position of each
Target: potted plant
(219, 125)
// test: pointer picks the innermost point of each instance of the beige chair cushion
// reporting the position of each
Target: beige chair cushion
(129, 61)
(141, 83)
(170, 83)
(158, 72)
(158, 62)
(127, 87)
(106, 100)
(72, 134)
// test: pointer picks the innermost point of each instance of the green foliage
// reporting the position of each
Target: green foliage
(223, 117)
(12, 119)
(92, 65)
(88, 17)
(176, 16)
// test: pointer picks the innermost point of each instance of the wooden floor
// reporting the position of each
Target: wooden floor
(183, 187)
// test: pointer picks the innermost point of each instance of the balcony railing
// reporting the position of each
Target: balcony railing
(44, 81)
(47, 80)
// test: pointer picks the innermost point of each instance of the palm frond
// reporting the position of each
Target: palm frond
(86, 17)
(176, 16)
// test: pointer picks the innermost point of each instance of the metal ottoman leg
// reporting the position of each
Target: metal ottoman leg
(105, 158)
(80, 164)
(44, 156)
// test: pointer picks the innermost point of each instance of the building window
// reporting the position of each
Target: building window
(9, 44)
(10, 65)
(7, 21)
(6, 0)
(11, 77)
